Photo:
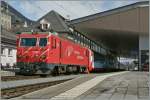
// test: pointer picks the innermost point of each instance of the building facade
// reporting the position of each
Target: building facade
(8, 51)
(8, 56)
(52, 21)
(5, 18)
(11, 22)
(125, 30)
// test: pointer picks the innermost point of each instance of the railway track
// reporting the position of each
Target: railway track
(18, 77)
(18, 91)
(15, 88)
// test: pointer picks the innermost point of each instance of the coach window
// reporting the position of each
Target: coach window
(43, 42)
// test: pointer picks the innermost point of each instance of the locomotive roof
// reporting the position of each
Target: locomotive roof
(55, 33)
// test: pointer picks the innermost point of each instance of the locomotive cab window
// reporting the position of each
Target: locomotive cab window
(28, 41)
(43, 42)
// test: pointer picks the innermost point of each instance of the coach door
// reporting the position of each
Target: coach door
(91, 60)
(88, 59)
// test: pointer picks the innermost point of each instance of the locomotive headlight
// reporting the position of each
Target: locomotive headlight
(26, 56)
(19, 56)
(36, 56)
(43, 57)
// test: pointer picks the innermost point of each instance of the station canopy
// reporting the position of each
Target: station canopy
(118, 29)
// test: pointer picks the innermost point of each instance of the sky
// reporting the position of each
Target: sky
(35, 9)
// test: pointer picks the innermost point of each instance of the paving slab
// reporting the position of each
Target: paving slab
(131, 97)
(70, 89)
(117, 96)
(82, 88)
(104, 96)
(52, 91)
(127, 86)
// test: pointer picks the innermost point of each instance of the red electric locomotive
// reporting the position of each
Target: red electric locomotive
(46, 53)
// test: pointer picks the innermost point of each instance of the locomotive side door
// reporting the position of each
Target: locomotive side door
(54, 52)
(60, 51)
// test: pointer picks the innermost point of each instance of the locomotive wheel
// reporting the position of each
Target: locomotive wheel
(75, 70)
(62, 69)
(43, 75)
(56, 71)
(82, 69)
(78, 69)
(68, 70)
(59, 70)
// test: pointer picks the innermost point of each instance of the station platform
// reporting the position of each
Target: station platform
(26, 82)
(127, 86)
(7, 73)
(110, 86)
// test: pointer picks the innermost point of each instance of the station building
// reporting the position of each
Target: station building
(11, 21)
(8, 48)
(125, 30)
(119, 32)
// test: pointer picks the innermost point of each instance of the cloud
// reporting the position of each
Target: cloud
(31, 9)
(26, 8)
(124, 2)
(75, 9)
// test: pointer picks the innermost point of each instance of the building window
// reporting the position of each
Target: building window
(2, 51)
(45, 26)
(9, 52)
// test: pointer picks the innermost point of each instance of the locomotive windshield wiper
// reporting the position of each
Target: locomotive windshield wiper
(43, 42)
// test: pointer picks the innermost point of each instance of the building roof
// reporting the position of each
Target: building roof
(7, 34)
(109, 12)
(119, 28)
(8, 37)
(57, 22)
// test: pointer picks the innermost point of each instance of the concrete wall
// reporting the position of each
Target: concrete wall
(144, 42)
(133, 20)
(143, 50)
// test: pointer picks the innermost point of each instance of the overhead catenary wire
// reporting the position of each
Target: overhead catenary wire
(68, 12)
(36, 6)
